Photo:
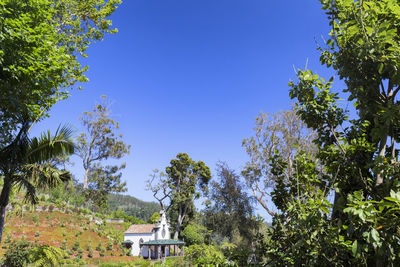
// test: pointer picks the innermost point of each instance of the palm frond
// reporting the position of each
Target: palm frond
(45, 175)
(48, 146)
(30, 191)
(46, 256)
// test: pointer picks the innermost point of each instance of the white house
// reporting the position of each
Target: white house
(152, 240)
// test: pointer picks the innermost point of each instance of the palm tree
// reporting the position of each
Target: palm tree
(26, 164)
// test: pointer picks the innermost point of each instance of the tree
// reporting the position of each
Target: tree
(195, 234)
(282, 132)
(40, 44)
(359, 155)
(159, 186)
(185, 176)
(102, 182)
(154, 218)
(24, 164)
(184, 181)
(232, 208)
(99, 143)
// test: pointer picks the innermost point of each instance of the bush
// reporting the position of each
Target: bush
(75, 246)
(102, 252)
(64, 245)
(205, 255)
(46, 256)
(35, 218)
(195, 234)
(99, 246)
(18, 254)
(109, 245)
(90, 253)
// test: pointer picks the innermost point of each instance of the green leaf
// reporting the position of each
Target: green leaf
(354, 248)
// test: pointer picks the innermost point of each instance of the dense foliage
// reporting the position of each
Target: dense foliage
(357, 160)
(21, 253)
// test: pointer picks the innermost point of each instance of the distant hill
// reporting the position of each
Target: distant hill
(132, 206)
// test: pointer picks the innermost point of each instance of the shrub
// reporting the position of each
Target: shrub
(64, 245)
(90, 253)
(75, 246)
(18, 254)
(204, 255)
(109, 245)
(195, 234)
(35, 218)
(99, 246)
(89, 245)
(7, 240)
(102, 252)
(46, 256)
(37, 234)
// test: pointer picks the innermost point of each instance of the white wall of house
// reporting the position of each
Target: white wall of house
(162, 228)
(135, 238)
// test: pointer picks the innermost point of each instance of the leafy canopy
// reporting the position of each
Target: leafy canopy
(40, 44)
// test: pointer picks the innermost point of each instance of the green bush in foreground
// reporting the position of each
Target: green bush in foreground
(21, 253)
(204, 255)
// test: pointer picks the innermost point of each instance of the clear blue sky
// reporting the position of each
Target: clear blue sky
(192, 75)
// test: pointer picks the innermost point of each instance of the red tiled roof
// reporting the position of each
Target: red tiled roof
(140, 229)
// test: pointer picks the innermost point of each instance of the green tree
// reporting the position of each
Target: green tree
(232, 207)
(184, 181)
(41, 42)
(185, 176)
(102, 182)
(24, 164)
(99, 143)
(195, 234)
(284, 132)
(359, 155)
(154, 218)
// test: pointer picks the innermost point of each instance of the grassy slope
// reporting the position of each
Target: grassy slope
(52, 228)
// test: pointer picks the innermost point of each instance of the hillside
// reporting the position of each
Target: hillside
(132, 206)
(84, 239)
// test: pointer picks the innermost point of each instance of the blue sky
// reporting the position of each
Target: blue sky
(191, 76)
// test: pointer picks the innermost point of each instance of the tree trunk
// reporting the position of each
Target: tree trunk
(336, 213)
(382, 152)
(85, 180)
(4, 196)
(178, 226)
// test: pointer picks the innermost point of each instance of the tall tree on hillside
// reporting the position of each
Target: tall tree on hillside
(100, 141)
(102, 181)
(26, 164)
(284, 132)
(232, 208)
